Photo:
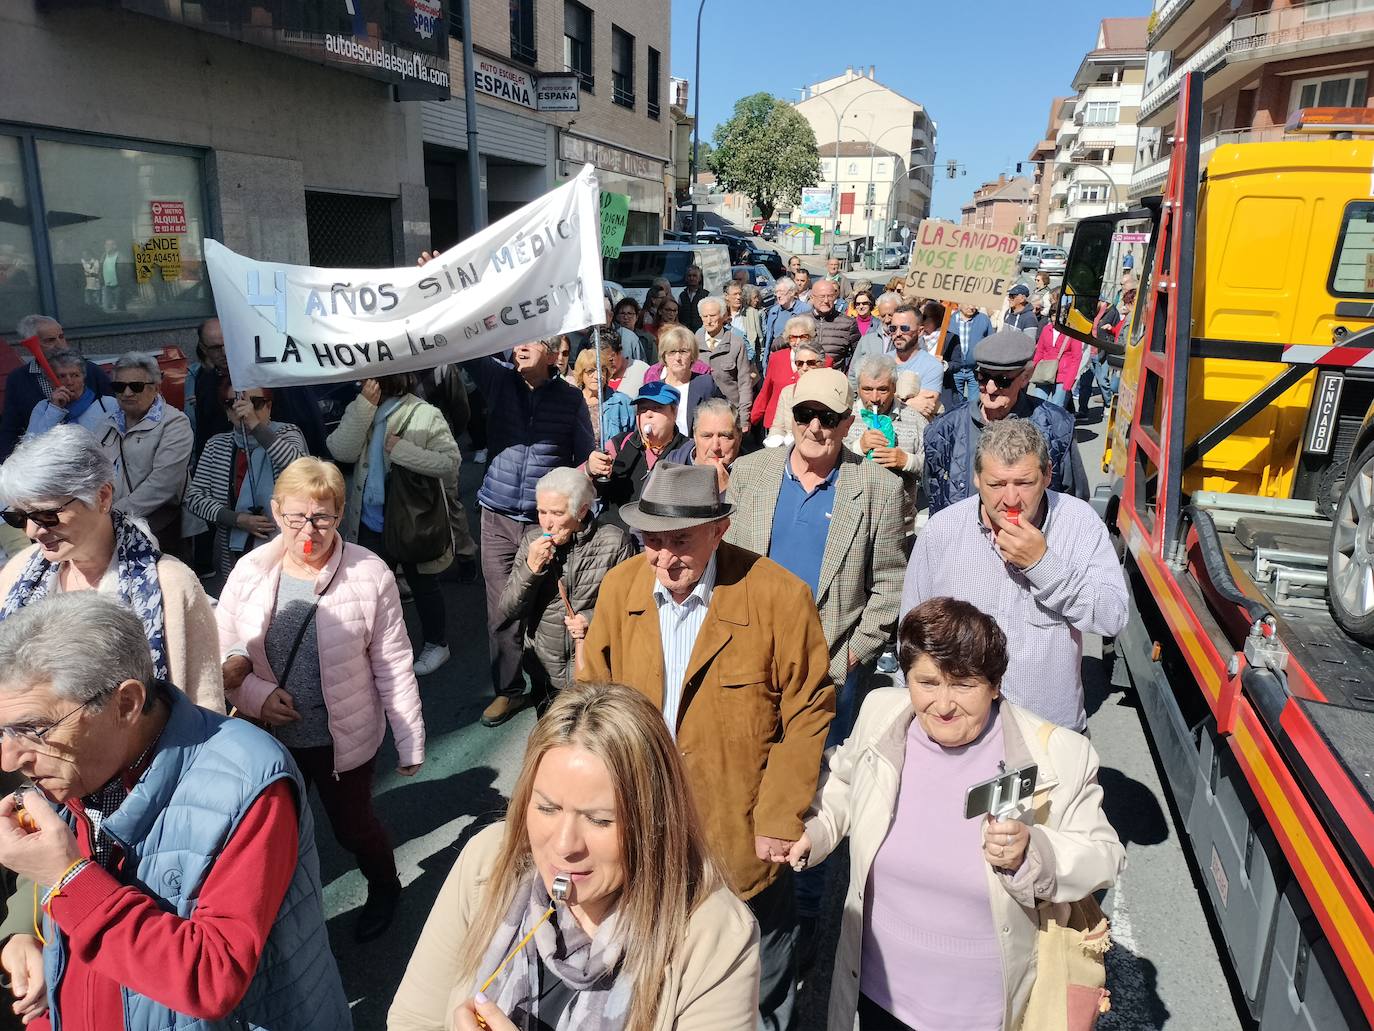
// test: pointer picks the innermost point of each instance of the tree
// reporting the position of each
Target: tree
(704, 153)
(767, 151)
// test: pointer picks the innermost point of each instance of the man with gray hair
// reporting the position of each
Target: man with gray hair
(775, 319)
(29, 384)
(73, 401)
(149, 442)
(886, 431)
(726, 352)
(878, 339)
(179, 883)
(536, 421)
(1037, 561)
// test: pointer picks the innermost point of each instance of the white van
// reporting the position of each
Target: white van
(639, 265)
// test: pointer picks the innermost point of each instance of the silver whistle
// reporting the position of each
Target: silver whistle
(562, 884)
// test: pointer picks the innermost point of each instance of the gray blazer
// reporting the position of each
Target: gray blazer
(860, 586)
(731, 370)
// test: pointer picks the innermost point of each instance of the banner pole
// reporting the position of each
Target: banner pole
(944, 325)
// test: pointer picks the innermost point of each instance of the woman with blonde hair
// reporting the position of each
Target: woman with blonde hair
(315, 647)
(649, 939)
(683, 370)
(612, 413)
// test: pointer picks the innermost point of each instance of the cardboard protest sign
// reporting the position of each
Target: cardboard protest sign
(962, 265)
(534, 274)
(615, 216)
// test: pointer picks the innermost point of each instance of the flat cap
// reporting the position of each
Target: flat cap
(1007, 350)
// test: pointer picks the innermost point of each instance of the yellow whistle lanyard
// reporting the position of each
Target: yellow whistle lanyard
(515, 951)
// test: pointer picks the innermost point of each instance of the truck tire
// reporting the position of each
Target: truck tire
(1350, 565)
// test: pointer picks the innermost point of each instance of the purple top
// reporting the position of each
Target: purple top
(930, 951)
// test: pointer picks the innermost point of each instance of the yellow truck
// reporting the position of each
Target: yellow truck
(1242, 497)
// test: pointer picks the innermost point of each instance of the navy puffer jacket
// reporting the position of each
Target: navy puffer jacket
(951, 439)
(529, 433)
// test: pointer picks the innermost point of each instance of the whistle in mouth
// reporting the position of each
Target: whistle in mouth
(562, 884)
(308, 546)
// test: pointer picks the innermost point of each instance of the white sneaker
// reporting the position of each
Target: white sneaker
(480, 457)
(432, 656)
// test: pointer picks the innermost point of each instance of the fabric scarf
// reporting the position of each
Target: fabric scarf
(255, 486)
(586, 965)
(136, 557)
(374, 488)
(864, 322)
(77, 408)
(154, 416)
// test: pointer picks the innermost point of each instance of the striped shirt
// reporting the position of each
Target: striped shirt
(1077, 587)
(678, 626)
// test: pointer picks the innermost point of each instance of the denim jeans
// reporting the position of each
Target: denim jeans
(1059, 395)
(1105, 378)
(966, 384)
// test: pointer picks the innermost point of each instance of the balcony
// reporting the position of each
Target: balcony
(1208, 57)
(1088, 208)
(1148, 179)
(1060, 187)
(1067, 130)
(1176, 20)
(1325, 26)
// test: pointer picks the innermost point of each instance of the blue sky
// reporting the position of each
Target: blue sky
(985, 69)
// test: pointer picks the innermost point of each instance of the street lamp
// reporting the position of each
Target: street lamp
(839, 118)
(872, 145)
(887, 208)
(696, 126)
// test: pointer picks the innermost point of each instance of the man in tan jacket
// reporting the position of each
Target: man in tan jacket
(729, 646)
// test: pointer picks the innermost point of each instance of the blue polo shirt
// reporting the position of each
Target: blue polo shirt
(801, 524)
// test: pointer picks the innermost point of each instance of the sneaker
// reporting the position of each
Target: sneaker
(480, 457)
(502, 708)
(377, 912)
(432, 656)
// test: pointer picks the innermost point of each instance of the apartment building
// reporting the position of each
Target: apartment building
(868, 182)
(855, 108)
(1264, 60)
(1002, 206)
(1041, 161)
(616, 54)
(1095, 146)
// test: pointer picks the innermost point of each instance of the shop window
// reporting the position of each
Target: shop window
(19, 294)
(121, 237)
(1336, 91)
(522, 45)
(345, 230)
(654, 62)
(622, 67)
(577, 42)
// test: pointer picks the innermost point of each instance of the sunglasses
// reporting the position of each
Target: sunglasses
(801, 336)
(863, 304)
(808, 363)
(131, 388)
(259, 403)
(47, 518)
(1004, 380)
(904, 327)
(802, 416)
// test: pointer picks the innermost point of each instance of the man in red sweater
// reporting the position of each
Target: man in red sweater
(160, 880)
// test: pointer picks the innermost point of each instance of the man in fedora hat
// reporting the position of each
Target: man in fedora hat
(1002, 369)
(728, 644)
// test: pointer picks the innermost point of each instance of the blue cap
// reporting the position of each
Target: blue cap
(658, 393)
(1019, 290)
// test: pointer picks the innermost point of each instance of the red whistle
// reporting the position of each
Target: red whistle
(1014, 516)
(308, 546)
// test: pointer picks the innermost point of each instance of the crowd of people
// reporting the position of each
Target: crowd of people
(771, 577)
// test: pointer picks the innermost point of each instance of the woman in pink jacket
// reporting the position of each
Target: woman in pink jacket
(316, 648)
(1051, 345)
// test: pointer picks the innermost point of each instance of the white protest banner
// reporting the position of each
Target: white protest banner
(534, 274)
(962, 265)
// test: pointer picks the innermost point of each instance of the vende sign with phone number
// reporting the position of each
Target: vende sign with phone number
(532, 275)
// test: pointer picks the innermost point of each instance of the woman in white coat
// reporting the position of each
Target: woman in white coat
(940, 919)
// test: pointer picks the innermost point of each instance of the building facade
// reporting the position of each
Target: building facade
(855, 109)
(134, 138)
(618, 52)
(1263, 62)
(1042, 167)
(867, 182)
(1095, 147)
(1001, 206)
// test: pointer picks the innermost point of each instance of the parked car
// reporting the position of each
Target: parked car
(894, 255)
(762, 277)
(758, 227)
(1053, 261)
(638, 266)
(1031, 252)
(673, 236)
(708, 235)
(770, 231)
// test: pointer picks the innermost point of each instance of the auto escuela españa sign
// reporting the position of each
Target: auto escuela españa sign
(962, 265)
(500, 80)
(534, 274)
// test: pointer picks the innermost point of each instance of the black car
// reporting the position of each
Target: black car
(761, 277)
(770, 230)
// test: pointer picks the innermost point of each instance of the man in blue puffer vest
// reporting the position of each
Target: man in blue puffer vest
(178, 880)
(536, 421)
(1002, 368)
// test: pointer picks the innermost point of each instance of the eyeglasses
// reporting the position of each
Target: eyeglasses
(259, 403)
(803, 415)
(801, 336)
(863, 304)
(47, 518)
(903, 327)
(120, 387)
(319, 521)
(28, 734)
(1003, 380)
(808, 363)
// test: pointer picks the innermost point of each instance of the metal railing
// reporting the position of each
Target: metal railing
(1205, 58)
(1308, 23)
(1152, 175)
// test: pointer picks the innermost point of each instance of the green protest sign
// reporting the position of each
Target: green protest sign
(615, 214)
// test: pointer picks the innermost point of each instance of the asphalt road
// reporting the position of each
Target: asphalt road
(1163, 970)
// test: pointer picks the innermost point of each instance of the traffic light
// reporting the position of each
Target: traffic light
(1018, 168)
(952, 169)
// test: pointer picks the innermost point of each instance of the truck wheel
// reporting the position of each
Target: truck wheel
(1350, 569)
